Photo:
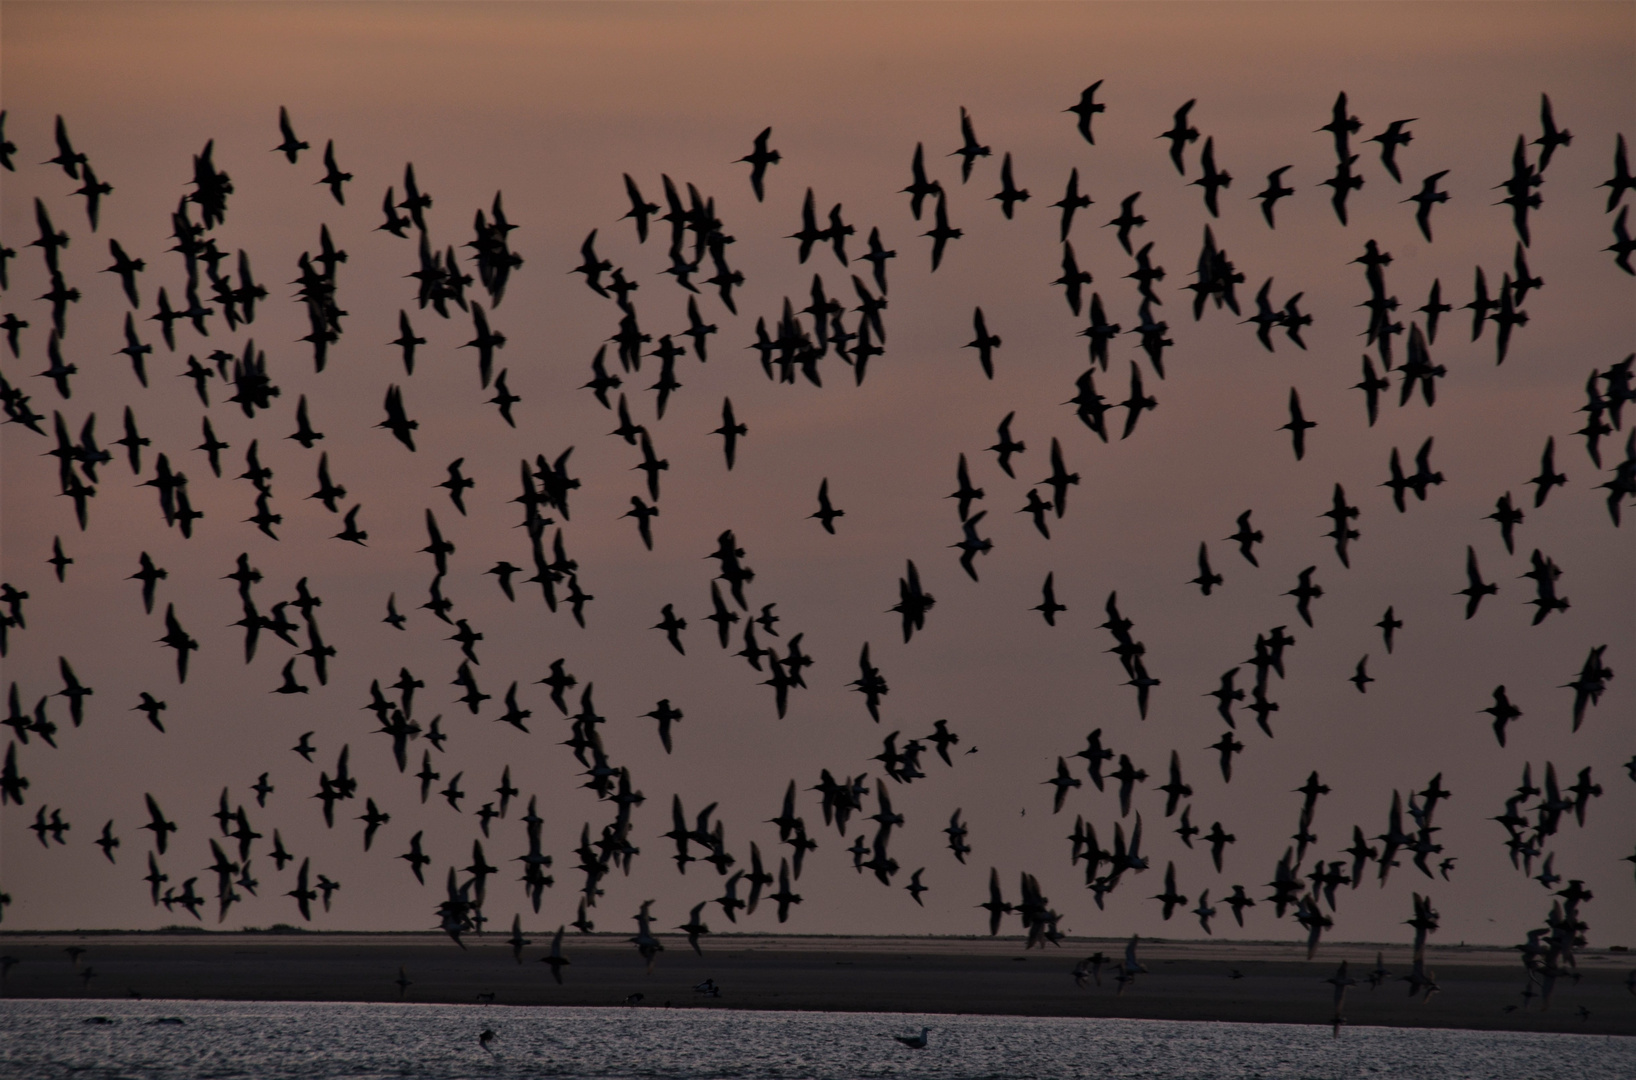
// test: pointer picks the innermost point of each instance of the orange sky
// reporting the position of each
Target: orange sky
(551, 103)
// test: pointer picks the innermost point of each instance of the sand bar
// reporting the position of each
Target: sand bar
(1185, 980)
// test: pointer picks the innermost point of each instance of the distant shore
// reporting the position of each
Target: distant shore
(1185, 980)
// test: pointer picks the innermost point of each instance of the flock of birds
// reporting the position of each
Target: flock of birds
(220, 293)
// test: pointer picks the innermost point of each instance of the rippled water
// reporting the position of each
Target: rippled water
(160, 1040)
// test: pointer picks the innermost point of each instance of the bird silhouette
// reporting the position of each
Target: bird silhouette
(1208, 579)
(1298, 425)
(1180, 134)
(985, 343)
(290, 147)
(941, 232)
(1427, 197)
(1073, 201)
(1213, 180)
(333, 176)
(1086, 108)
(1009, 194)
(1394, 137)
(1274, 191)
(970, 149)
(826, 514)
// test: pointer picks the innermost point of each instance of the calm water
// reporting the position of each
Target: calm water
(51, 1039)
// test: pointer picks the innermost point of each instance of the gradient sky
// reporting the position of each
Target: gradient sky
(550, 104)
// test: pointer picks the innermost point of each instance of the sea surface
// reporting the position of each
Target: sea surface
(185, 1040)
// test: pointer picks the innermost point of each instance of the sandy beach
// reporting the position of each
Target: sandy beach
(1185, 980)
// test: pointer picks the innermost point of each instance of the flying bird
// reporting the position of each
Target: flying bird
(1208, 579)
(1009, 194)
(1298, 424)
(1213, 179)
(1247, 537)
(290, 147)
(333, 176)
(1427, 197)
(941, 233)
(919, 188)
(985, 343)
(1390, 140)
(397, 421)
(1274, 191)
(1476, 588)
(758, 158)
(1005, 449)
(1072, 202)
(1180, 134)
(827, 513)
(1305, 592)
(1087, 107)
(970, 149)
(1127, 220)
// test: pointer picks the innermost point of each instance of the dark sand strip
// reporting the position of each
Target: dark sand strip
(1185, 980)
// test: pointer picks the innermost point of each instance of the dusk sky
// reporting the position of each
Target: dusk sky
(550, 104)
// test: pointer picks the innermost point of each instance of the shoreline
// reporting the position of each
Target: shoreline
(1185, 980)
